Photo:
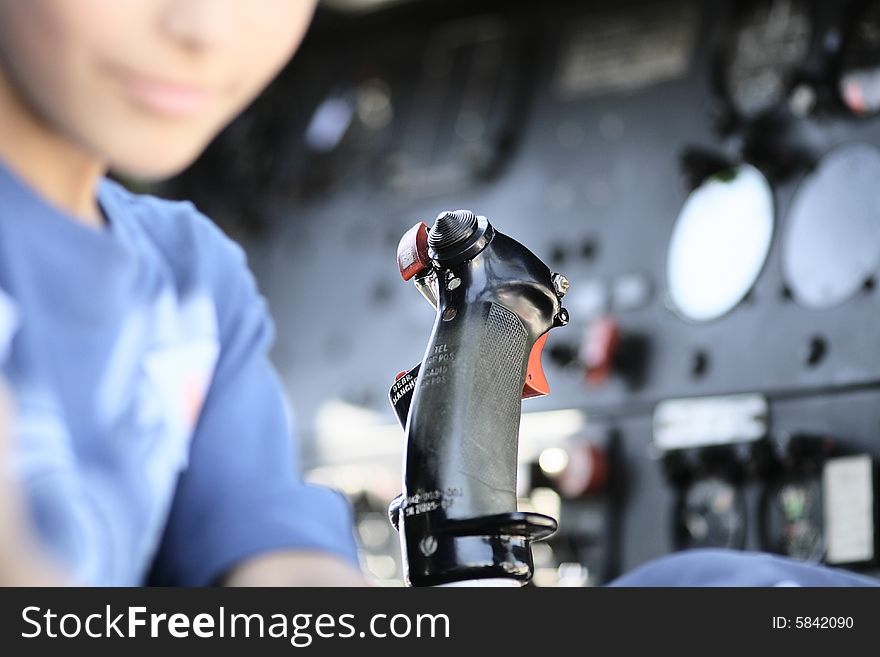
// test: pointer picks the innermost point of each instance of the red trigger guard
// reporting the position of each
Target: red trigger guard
(536, 381)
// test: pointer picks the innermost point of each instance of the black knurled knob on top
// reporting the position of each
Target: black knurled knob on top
(451, 228)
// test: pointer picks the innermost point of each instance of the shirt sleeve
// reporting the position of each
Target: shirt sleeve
(718, 567)
(241, 494)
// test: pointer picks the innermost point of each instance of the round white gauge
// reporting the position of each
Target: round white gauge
(720, 242)
(831, 245)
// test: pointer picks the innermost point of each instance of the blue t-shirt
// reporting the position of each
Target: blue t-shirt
(151, 433)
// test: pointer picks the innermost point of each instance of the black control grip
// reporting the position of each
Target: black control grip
(457, 515)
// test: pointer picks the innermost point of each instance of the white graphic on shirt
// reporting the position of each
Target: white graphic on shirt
(175, 375)
(8, 323)
(177, 371)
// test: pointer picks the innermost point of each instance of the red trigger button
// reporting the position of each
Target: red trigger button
(412, 251)
(536, 381)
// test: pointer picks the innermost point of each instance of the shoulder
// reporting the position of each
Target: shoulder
(177, 228)
(200, 255)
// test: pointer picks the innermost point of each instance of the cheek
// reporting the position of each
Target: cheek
(48, 45)
(53, 56)
(31, 37)
(271, 32)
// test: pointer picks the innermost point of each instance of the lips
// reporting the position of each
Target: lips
(163, 97)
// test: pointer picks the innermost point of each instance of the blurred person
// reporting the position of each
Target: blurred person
(150, 439)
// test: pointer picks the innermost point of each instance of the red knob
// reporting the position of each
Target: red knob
(600, 348)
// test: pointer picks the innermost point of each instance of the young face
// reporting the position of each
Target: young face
(145, 84)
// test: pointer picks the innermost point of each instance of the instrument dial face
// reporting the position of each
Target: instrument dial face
(831, 245)
(793, 519)
(771, 40)
(719, 243)
(711, 514)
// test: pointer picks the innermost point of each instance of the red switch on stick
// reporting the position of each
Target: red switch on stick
(412, 251)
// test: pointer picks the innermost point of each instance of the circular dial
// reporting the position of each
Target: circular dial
(770, 40)
(859, 83)
(831, 245)
(719, 243)
(793, 519)
(711, 514)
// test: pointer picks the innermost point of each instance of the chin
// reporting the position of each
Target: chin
(152, 169)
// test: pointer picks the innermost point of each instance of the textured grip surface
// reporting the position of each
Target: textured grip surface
(494, 403)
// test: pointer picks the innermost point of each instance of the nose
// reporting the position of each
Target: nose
(198, 25)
